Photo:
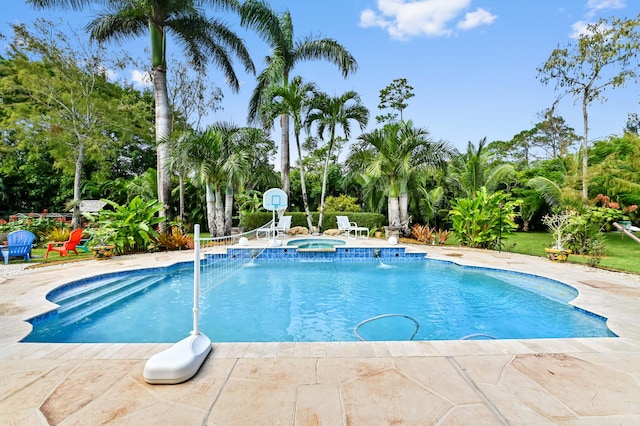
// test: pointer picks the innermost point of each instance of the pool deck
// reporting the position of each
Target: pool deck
(590, 381)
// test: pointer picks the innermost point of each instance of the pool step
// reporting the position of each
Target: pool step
(82, 293)
(81, 305)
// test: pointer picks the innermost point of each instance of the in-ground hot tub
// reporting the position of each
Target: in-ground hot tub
(316, 244)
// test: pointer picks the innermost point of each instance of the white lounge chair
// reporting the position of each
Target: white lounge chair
(351, 229)
(280, 230)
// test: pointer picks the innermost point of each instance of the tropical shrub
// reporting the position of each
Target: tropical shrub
(58, 234)
(481, 221)
(174, 239)
(423, 233)
(442, 236)
(130, 227)
(342, 203)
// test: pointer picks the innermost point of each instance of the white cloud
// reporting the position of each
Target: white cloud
(595, 6)
(140, 78)
(404, 19)
(475, 19)
(578, 29)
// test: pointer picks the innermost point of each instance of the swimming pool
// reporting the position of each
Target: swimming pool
(282, 301)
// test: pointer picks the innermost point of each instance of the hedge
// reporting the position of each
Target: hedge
(368, 220)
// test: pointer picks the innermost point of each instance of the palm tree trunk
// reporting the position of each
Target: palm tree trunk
(285, 163)
(585, 149)
(75, 221)
(163, 130)
(228, 210)
(324, 184)
(403, 208)
(305, 201)
(219, 209)
(182, 197)
(211, 209)
(393, 211)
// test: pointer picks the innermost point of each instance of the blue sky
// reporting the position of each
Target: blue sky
(472, 63)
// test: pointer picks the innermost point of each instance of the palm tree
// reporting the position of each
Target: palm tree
(216, 166)
(291, 101)
(473, 170)
(203, 40)
(328, 113)
(277, 31)
(262, 150)
(392, 155)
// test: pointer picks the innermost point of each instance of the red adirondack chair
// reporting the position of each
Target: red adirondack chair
(64, 247)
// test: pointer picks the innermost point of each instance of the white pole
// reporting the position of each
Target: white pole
(196, 277)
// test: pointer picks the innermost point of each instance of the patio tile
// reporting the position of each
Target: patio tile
(586, 388)
(319, 404)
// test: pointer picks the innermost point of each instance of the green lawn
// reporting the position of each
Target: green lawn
(620, 253)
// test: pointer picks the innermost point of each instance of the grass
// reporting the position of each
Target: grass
(620, 254)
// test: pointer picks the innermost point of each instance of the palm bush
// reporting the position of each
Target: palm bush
(129, 227)
(481, 221)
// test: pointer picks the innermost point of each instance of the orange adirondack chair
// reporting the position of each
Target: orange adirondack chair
(64, 247)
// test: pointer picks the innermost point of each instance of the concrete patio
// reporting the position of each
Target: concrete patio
(591, 381)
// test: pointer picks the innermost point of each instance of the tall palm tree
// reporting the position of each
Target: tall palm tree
(392, 155)
(329, 113)
(203, 39)
(292, 101)
(277, 31)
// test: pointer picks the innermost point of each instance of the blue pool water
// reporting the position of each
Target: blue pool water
(282, 301)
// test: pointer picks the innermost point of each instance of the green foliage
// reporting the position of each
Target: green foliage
(130, 227)
(480, 221)
(615, 168)
(394, 97)
(586, 228)
(39, 225)
(341, 203)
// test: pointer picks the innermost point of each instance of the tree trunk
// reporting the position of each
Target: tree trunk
(305, 202)
(219, 208)
(403, 208)
(324, 184)
(75, 220)
(228, 210)
(285, 162)
(585, 149)
(182, 197)
(211, 209)
(163, 130)
(393, 211)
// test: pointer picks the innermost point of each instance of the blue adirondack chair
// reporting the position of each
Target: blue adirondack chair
(19, 245)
